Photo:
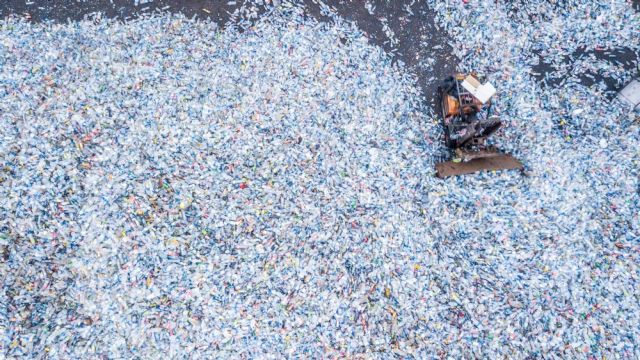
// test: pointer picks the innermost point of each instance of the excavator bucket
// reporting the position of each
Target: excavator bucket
(495, 162)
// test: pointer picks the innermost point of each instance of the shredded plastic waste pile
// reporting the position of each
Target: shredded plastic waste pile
(171, 189)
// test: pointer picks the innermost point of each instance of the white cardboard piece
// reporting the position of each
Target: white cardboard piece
(631, 93)
(479, 91)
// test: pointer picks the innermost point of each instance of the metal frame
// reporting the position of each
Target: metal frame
(472, 154)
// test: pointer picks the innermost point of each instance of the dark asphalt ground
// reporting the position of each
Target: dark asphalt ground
(418, 38)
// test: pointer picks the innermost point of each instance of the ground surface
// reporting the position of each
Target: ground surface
(418, 38)
(417, 41)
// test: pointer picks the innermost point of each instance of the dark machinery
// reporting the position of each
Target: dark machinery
(468, 121)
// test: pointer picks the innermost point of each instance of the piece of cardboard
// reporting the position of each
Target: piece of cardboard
(479, 91)
(631, 93)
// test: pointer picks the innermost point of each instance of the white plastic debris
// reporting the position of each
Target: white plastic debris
(168, 190)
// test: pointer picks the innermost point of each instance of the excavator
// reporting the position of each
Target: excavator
(468, 121)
